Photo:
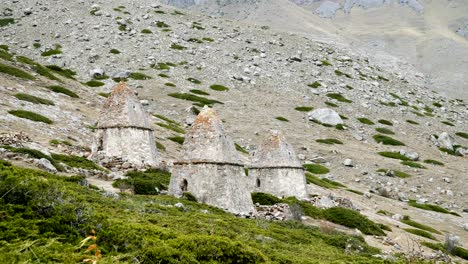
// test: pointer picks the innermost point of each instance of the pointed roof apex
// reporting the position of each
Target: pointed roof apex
(208, 119)
(123, 109)
(275, 152)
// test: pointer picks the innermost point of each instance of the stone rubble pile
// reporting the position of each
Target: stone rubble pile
(280, 212)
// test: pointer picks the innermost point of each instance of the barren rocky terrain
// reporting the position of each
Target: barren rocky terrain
(397, 143)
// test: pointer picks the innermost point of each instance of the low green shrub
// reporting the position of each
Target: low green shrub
(385, 122)
(33, 99)
(413, 164)
(304, 108)
(434, 162)
(67, 73)
(172, 127)
(105, 95)
(340, 127)
(352, 219)
(312, 179)
(94, 83)
(218, 87)
(366, 121)
(355, 191)
(36, 154)
(326, 63)
(146, 31)
(386, 140)
(447, 123)
(15, 72)
(265, 198)
(420, 232)
(62, 90)
(170, 84)
(5, 55)
(460, 252)
(393, 155)
(241, 149)
(331, 104)
(412, 122)
(51, 52)
(412, 223)
(314, 85)
(189, 197)
(149, 182)
(43, 71)
(329, 141)
(160, 146)
(340, 73)
(31, 116)
(339, 97)
(283, 119)
(384, 130)
(115, 51)
(316, 168)
(177, 47)
(194, 98)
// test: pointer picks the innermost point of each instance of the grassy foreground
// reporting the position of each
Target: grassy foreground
(44, 217)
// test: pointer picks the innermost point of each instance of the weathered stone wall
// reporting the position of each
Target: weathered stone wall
(281, 182)
(221, 185)
(133, 145)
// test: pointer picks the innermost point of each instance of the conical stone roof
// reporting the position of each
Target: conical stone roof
(207, 141)
(123, 109)
(275, 152)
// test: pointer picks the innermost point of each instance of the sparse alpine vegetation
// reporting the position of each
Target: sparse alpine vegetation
(329, 141)
(33, 99)
(386, 140)
(316, 168)
(339, 97)
(219, 88)
(10, 70)
(366, 121)
(62, 90)
(31, 116)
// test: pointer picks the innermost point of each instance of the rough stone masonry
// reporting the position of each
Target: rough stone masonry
(210, 168)
(124, 131)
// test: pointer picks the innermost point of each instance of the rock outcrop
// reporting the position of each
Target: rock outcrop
(276, 169)
(124, 131)
(210, 168)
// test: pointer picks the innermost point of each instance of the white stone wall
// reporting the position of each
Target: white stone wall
(281, 182)
(134, 145)
(223, 186)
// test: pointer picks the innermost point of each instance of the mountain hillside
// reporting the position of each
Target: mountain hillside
(398, 151)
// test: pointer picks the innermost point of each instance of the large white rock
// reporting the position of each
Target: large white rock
(325, 116)
(446, 141)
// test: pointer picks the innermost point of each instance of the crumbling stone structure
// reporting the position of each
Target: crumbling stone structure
(124, 132)
(276, 169)
(210, 168)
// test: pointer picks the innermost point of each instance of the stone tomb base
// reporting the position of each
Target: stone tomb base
(281, 182)
(134, 145)
(222, 185)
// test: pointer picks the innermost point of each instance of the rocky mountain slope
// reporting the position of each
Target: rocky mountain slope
(257, 79)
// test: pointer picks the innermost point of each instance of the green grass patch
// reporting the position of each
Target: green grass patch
(384, 130)
(304, 108)
(434, 162)
(6, 21)
(177, 47)
(397, 173)
(31, 116)
(168, 120)
(420, 232)
(412, 223)
(283, 119)
(172, 127)
(194, 98)
(340, 127)
(431, 207)
(447, 123)
(366, 121)
(43, 71)
(412, 122)
(339, 97)
(177, 139)
(322, 182)
(67, 73)
(219, 88)
(34, 153)
(146, 31)
(354, 191)
(326, 63)
(5, 55)
(51, 52)
(160, 146)
(386, 140)
(149, 182)
(33, 99)
(170, 84)
(331, 104)
(115, 51)
(193, 80)
(94, 83)
(199, 92)
(462, 135)
(316, 168)
(105, 95)
(139, 76)
(241, 149)
(15, 72)
(62, 90)
(385, 122)
(76, 162)
(393, 155)
(329, 141)
(340, 73)
(315, 85)
(413, 164)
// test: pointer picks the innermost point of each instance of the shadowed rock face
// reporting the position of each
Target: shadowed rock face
(207, 140)
(275, 152)
(276, 169)
(122, 109)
